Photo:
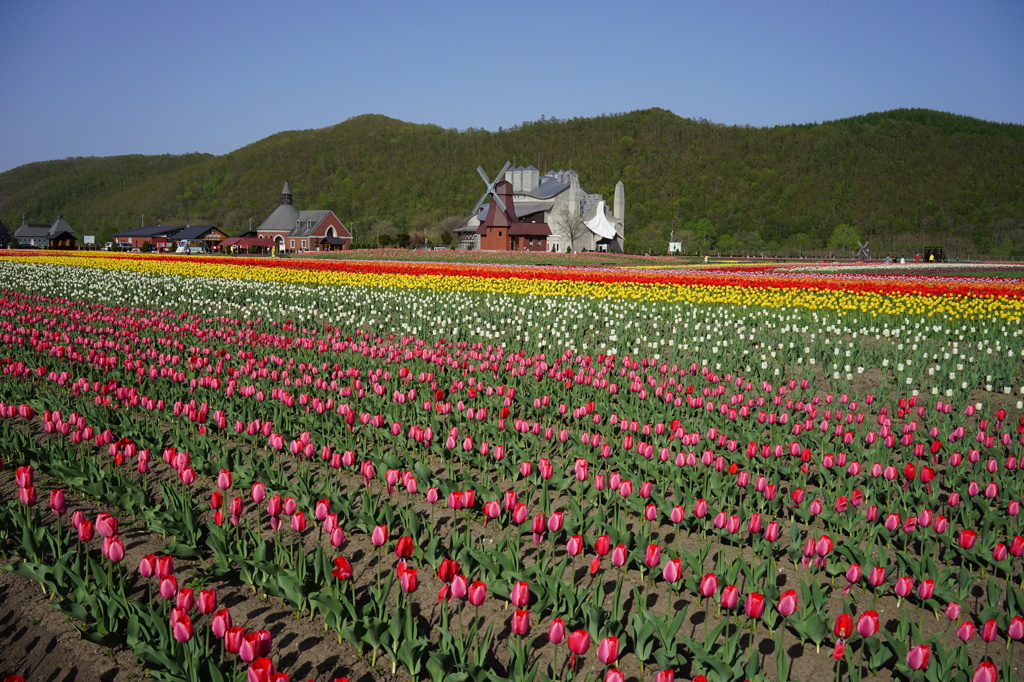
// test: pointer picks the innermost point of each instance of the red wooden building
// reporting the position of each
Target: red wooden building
(501, 230)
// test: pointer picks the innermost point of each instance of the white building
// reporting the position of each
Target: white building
(579, 220)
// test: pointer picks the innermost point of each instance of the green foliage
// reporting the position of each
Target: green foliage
(845, 239)
(903, 178)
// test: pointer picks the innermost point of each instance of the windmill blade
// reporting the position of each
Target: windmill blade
(487, 180)
(479, 203)
(501, 173)
(499, 202)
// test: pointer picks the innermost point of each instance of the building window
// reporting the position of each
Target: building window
(499, 233)
(303, 243)
(291, 243)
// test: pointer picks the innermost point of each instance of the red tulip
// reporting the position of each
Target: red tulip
(843, 627)
(164, 567)
(233, 638)
(839, 650)
(602, 545)
(754, 605)
(260, 670)
(652, 558)
(579, 642)
(989, 631)
(342, 568)
(298, 522)
(447, 570)
(665, 676)
(520, 622)
(967, 538)
(404, 547)
(918, 657)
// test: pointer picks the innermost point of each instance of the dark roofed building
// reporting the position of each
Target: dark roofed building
(59, 235)
(5, 236)
(164, 236)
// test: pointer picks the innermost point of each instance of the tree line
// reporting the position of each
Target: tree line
(897, 179)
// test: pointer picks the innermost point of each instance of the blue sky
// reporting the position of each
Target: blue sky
(115, 77)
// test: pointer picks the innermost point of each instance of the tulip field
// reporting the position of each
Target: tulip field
(321, 469)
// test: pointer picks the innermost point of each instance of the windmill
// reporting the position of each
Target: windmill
(490, 188)
(865, 252)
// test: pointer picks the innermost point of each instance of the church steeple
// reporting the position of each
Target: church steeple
(286, 194)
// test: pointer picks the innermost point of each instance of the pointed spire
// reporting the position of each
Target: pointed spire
(286, 194)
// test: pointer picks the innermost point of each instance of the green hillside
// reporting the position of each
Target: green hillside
(900, 179)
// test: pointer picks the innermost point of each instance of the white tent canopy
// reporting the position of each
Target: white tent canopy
(600, 225)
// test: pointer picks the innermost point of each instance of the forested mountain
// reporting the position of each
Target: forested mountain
(901, 179)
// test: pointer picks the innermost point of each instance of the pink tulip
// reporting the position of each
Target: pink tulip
(556, 631)
(709, 584)
(520, 622)
(520, 594)
(867, 623)
(673, 570)
(918, 657)
(730, 596)
(477, 592)
(608, 650)
(379, 535)
(787, 603)
(985, 672)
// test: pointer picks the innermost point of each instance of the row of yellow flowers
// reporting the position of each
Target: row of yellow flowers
(956, 306)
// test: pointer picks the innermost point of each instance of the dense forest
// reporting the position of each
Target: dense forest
(900, 179)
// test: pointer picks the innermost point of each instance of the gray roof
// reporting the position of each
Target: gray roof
(193, 231)
(287, 189)
(281, 220)
(308, 221)
(547, 187)
(32, 231)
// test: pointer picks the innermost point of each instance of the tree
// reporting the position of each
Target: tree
(571, 226)
(845, 238)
